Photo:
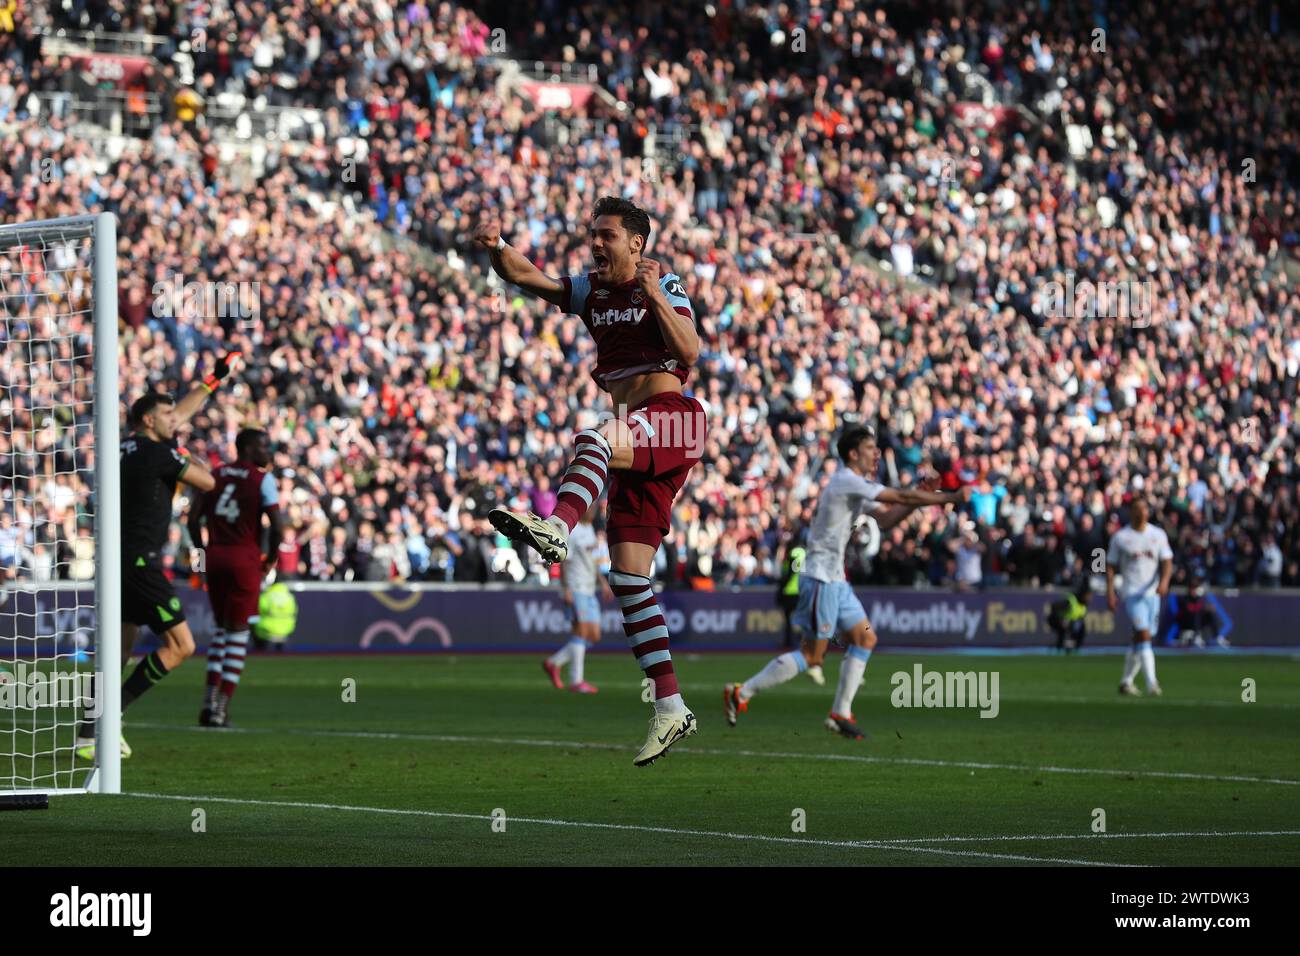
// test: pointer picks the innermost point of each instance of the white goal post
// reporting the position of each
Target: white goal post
(60, 508)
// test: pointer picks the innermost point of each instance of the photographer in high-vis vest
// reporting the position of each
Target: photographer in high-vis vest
(787, 591)
(277, 617)
(1066, 617)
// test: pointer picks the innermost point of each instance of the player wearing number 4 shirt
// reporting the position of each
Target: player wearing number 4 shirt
(828, 609)
(233, 561)
(1140, 553)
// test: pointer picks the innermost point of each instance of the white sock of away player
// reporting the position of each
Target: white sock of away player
(1132, 664)
(577, 660)
(852, 670)
(563, 655)
(1148, 658)
(778, 670)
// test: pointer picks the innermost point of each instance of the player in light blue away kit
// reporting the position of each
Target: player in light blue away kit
(828, 609)
(1140, 553)
(581, 573)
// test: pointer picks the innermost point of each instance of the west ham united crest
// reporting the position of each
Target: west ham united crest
(638, 297)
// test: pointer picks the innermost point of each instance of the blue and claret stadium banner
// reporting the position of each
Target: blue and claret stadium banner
(429, 618)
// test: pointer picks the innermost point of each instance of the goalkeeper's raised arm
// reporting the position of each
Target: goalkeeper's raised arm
(512, 266)
(225, 367)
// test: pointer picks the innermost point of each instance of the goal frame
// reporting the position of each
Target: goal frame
(106, 774)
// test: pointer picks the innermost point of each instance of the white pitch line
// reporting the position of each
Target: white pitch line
(766, 754)
(992, 856)
(629, 827)
(809, 691)
(1035, 838)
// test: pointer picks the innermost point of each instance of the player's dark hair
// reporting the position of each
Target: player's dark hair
(851, 438)
(147, 403)
(246, 439)
(635, 219)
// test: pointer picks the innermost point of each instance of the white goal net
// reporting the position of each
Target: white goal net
(59, 575)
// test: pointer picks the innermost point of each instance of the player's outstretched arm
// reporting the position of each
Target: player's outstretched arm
(916, 498)
(515, 268)
(226, 366)
(894, 515)
(196, 476)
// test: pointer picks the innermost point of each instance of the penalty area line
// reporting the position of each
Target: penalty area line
(626, 827)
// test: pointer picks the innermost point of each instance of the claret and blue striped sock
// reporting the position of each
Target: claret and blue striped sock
(583, 482)
(647, 635)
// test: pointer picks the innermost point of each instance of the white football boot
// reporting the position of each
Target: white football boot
(665, 730)
(524, 527)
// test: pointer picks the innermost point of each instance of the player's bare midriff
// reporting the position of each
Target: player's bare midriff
(635, 389)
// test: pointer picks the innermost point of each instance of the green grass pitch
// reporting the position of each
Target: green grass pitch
(414, 770)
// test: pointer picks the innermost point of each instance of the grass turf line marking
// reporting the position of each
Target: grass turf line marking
(775, 755)
(579, 824)
(1032, 838)
(462, 681)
